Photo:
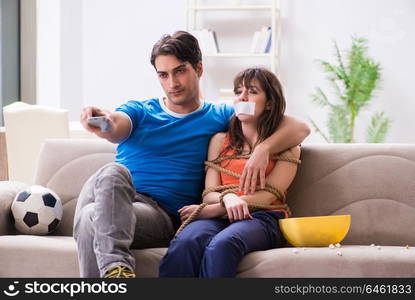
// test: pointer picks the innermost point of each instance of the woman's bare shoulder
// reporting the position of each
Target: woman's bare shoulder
(219, 137)
(215, 145)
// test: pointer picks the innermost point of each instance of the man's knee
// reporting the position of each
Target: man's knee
(115, 175)
(114, 169)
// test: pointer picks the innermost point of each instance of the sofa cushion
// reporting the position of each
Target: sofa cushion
(374, 183)
(8, 191)
(371, 182)
(354, 261)
(38, 256)
(65, 165)
(56, 256)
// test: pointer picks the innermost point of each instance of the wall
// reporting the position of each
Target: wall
(71, 50)
(308, 31)
(9, 53)
(113, 63)
(48, 47)
(117, 42)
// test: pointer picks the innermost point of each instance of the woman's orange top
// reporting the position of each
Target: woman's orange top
(237, 165)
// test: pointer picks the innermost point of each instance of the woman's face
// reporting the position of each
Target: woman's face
(252, 93)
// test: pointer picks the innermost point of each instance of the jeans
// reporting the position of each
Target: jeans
(111, 218)
(215, 247)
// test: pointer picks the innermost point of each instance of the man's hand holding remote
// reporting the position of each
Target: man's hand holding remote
(113, 126)
(92, 112)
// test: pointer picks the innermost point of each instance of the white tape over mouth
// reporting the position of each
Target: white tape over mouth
(247, 108)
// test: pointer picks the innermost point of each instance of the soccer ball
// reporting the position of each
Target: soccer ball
(37, 210)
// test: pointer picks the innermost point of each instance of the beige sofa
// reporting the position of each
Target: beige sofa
(375, 183)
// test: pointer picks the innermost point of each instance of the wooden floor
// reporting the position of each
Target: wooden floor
(3, 156)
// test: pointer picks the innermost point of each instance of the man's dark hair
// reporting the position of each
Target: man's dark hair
(181, 44)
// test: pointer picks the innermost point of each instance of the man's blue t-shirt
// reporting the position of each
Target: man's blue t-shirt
(165, 151)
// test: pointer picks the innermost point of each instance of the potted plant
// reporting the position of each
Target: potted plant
(353, 84)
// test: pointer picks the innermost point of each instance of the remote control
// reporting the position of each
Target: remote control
(99, 122)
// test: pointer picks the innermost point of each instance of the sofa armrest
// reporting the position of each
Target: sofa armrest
(8, 190)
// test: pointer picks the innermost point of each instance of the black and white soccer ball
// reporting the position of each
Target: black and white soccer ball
(36, 210)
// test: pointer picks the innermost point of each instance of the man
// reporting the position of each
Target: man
(133, 202)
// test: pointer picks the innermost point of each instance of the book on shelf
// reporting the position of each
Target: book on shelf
(207, 41)
(266, 46)
(215, 39)
(261, 41)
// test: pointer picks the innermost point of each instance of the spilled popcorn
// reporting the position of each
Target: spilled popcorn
(338, 245)
(339, 253)
(331, 246)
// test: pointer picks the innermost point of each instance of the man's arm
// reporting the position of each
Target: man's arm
(289, 134)
(120, 124)
(280, 177)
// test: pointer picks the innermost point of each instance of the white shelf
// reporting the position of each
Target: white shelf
(238, 55)
(196, 9)
(233, 8)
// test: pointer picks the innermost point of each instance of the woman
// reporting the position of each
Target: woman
(225, 229)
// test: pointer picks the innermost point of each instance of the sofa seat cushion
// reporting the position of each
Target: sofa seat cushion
(38, 256)
(56, 256)
(354, 261)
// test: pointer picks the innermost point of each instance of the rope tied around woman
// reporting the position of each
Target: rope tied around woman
(233, 188)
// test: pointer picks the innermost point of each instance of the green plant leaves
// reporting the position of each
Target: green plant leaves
(378, 128)
(339, 125)
(320, 98)
(353, 83)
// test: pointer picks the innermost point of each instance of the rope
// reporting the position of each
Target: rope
(233, 188)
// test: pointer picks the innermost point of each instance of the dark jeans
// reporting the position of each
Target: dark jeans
(215, 247)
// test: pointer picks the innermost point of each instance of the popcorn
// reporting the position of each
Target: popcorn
(407, 247)
(338, 245)
(331, 246)
(372, 245)
(379, 247)
(339, 253)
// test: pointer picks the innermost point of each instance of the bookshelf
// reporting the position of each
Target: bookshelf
(195, 7)
(233, 7)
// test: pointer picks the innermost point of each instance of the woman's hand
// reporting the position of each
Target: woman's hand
(236, 208)
(208, 212)
(186, 211)
(255, 167)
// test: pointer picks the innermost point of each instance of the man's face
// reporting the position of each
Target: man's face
(178, 79)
